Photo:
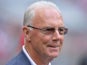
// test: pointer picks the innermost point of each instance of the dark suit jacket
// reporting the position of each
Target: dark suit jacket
(84, 61)
(21, 59)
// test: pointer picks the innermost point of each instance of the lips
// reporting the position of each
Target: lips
(53, 46)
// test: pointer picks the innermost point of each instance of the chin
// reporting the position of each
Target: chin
(53, 55)
(53, 52)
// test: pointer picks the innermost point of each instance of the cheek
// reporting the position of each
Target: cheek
(38, 39)
(62, 39)
(46, 39)
(61, 43)
(39, 43)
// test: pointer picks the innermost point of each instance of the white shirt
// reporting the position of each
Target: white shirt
(28, 56)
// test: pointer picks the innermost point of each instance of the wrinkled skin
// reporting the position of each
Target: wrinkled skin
(41, 47)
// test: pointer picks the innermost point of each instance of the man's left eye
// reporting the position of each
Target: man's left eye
(61, 29)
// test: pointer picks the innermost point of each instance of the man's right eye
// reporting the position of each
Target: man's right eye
(50, 29)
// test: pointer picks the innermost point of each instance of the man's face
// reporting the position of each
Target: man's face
(47, 44)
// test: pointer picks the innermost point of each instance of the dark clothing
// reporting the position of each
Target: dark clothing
(83, 61)
(21, 59)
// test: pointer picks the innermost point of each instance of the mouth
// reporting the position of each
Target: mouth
(53, 46)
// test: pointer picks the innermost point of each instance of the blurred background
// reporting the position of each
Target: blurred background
(75, 18)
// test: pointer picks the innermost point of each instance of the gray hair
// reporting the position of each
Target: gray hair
(30, 12)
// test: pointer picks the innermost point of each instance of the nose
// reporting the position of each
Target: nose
(56, 36)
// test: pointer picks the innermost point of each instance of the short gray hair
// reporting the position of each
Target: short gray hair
(30, 12)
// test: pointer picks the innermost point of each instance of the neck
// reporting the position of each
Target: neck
(37, 58)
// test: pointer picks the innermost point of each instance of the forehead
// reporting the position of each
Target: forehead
(47, 16)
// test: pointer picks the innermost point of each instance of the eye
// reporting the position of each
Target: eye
(62, 30)
(50, 29)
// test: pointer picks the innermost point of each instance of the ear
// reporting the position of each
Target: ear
(26, 32)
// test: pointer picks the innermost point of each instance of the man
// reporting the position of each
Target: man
(44, 32)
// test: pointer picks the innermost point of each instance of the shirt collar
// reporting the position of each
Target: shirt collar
(28, 56)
